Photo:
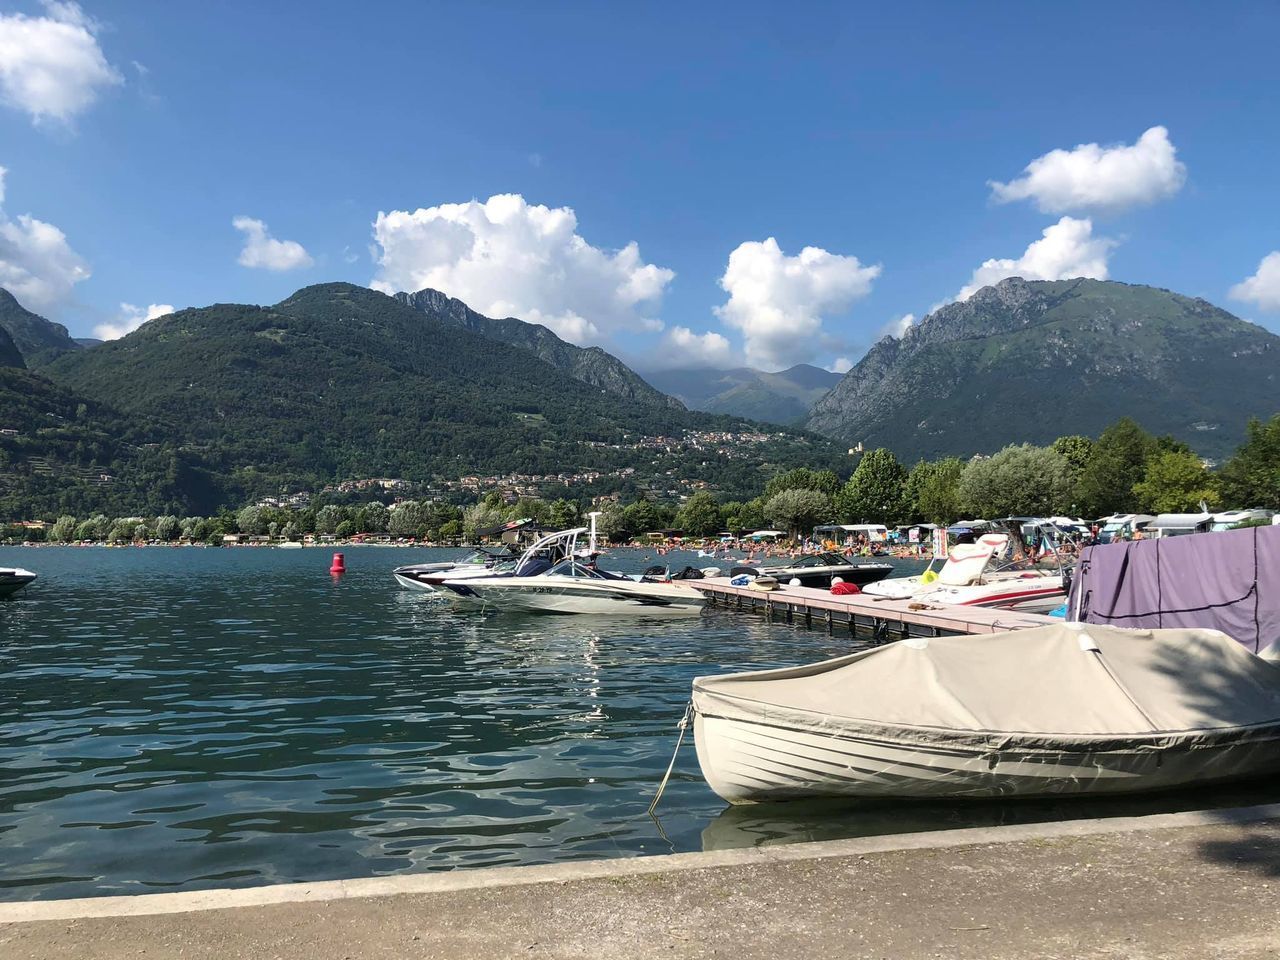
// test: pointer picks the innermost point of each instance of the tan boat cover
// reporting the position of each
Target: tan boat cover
(1068, 686)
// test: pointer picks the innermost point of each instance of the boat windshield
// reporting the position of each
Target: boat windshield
(585, 571)
(1028, 541)
(548, 552)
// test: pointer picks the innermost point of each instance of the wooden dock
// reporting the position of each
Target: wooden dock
(875, 619)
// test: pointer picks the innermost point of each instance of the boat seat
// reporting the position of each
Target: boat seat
(966, 561)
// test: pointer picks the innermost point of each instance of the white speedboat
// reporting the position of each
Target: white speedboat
(575, 586)
(998, 570)
(1068, 709)
(428, 576)
(13, 579)
(554, 576)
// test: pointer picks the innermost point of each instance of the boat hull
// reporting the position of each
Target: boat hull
(822, 577)
(598, 597)
(11, 581)
(748, 762)
(1025, 595)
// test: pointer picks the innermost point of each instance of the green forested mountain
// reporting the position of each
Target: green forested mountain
(39, 340)
(1028, 361)
(590, 365)
(783, 397)
(339, 382)
(63, 453)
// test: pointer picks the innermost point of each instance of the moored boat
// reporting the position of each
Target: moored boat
(821, 569)
(999, 569)
(1068, 709)
(428, 576)
(554, 576)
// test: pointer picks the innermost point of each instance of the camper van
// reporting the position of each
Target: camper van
(1122, 526)
(1233, 518)
(1179, 524)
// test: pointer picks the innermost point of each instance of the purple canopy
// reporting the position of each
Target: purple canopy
(1228, 581)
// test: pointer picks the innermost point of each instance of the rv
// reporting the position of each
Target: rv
(1233, 518)
(1179, 524)
(1122, 526)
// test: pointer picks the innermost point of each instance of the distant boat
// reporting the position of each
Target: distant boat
(820, 569)
(1068, 709)
(13, 579)
(427, 577)
(289, 545)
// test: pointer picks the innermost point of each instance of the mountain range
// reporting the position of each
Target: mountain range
(784, 397)
(589, 365)
(341, 382)
(1034, 360)
(211, 406)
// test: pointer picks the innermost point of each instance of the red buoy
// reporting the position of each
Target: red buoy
(339, 566)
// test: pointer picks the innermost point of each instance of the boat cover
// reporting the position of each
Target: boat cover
(1066, 687)
(1229, 581)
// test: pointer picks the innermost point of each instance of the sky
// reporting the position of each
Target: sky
(682, 184)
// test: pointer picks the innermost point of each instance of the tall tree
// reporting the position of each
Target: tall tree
(798, 511)
(1251, 478)
(699, 516)
(934, 489)
(1018, 481)
(1119, 461)
(876, 493)
(802, 478)
(1176, 481)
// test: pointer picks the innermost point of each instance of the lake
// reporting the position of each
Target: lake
(182, 718)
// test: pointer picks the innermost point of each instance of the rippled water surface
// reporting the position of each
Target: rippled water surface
(185, 718)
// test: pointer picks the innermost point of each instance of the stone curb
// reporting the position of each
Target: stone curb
(484, 878)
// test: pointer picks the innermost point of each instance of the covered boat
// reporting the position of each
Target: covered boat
(1229, 581)
(1062, 709)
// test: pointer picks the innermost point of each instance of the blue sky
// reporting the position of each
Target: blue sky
(696, 132)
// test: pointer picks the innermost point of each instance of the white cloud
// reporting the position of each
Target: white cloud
(505, 257)
(37, 265)
(51, 66)
(263, 251)
(841, 365)
(681, 347)
(778, 302)
(1067, 249)
(130, 319)
(1263, 288)
(1092, 177)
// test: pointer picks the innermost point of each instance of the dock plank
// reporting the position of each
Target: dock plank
(911, 617)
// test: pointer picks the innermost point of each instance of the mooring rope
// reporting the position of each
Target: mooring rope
(683, 726)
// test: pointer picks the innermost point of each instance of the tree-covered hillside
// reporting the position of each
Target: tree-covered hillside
(339, 381)
(61, 452)
(590, 365)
